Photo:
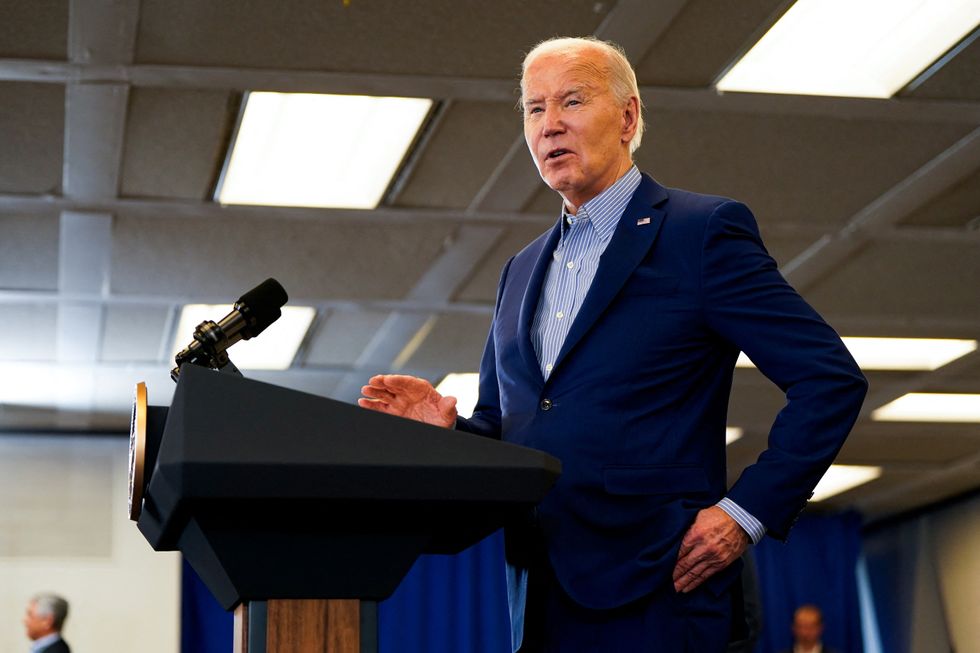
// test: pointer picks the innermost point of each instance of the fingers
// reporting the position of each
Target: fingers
(375, 405)
(447, 408)
(375, 392)
(712, 542)
(692, 572)
(408, 396)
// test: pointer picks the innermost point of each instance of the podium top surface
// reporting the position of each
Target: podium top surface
(232, 439)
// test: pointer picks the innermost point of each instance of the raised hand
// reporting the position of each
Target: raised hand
(408, 396)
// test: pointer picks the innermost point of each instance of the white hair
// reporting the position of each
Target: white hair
(51, 605)
(617, 71)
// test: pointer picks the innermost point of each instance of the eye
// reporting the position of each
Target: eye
(534, 110)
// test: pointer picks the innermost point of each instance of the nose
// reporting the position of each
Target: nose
(552, 123)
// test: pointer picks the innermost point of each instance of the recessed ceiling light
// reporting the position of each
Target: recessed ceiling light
(856, 48)
(930, 407)
(305, 149)
(466, 389)
(840, 478)
(273, 349)
(908, 354)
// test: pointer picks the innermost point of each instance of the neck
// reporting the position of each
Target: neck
(573, 204)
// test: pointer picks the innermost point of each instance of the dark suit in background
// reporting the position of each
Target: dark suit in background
(58, 646)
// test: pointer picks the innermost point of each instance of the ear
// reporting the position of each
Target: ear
(631, 118)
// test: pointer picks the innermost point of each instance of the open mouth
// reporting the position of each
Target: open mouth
(557, 153)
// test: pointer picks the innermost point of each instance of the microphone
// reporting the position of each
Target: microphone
(253, 312)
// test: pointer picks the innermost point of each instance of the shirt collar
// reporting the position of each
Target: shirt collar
(604, 210)
(43, 642)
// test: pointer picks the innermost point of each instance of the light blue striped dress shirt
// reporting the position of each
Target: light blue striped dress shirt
(584, 237)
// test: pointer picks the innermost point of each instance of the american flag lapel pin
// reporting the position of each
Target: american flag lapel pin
(642, 221)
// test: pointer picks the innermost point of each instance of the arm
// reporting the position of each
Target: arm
(747, 302)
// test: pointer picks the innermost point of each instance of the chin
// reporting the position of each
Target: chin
(559, 182)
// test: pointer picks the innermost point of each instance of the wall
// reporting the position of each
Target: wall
(925, 578)
(64, 527)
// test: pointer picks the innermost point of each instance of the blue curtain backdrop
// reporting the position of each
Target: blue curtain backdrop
(817, 565)
(205, 627)
(446, 604)
(450, 604)
(892, 557)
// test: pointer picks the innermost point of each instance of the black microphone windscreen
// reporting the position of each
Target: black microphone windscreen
(262, 304)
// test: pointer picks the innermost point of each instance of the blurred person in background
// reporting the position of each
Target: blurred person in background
(807, 630)
(43, 621)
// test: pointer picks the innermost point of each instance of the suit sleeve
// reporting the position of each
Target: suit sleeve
(486, 417)
(749, 303)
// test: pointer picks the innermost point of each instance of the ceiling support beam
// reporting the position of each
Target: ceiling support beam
(964, 469)
(95, 117)
(403, 332)
(206, 210)
(664, 98)
(921, 187)
(406, 305)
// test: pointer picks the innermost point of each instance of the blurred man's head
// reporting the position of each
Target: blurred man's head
(807, 625)
(45, 615)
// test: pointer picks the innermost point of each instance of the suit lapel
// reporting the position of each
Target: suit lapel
(631, 241)
(529, 304)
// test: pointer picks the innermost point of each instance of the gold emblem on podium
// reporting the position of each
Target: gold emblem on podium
(137, 451)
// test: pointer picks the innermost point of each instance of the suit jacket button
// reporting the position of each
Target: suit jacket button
(546, 404)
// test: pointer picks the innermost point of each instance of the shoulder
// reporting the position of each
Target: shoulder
(61, 646)
(690, 211)
(695, 204)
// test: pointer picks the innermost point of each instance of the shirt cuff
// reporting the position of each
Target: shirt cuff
(752, 526)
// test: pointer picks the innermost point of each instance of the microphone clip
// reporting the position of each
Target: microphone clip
(206, 350)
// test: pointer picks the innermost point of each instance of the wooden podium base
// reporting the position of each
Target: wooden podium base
(298, 626)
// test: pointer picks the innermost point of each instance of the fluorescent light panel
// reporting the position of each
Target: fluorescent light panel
(466, 389)
(273, 349)
(907, 354)
(930, 407)
(855, 48)
(840, 478)
(304, 149)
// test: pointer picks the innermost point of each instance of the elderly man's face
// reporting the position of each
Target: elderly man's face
(37, 626)
(577, 132)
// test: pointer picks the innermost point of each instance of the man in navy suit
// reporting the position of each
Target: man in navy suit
(43, 621)
(613, 345)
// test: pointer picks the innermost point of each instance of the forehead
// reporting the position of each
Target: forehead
(552, 73)
(807, 617)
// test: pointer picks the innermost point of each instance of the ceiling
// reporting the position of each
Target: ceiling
(115, 120)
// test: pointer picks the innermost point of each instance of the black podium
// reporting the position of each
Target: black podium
(283, 497)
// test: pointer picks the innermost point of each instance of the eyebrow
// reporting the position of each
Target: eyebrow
(572, 91)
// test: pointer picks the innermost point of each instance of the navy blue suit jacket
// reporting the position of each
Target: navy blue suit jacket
(635, 407)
